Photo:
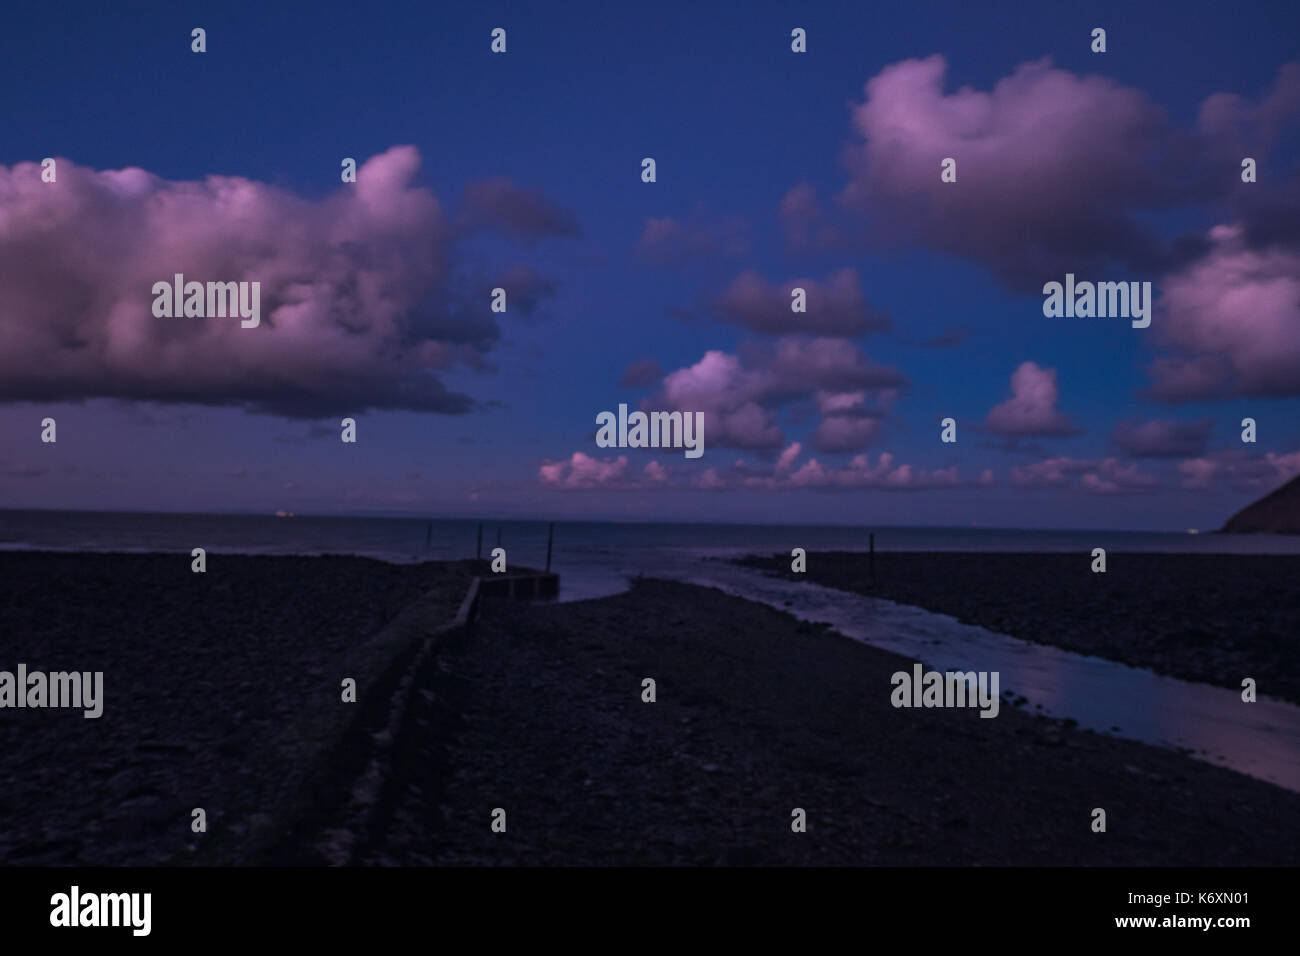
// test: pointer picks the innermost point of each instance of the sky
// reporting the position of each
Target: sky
(774, 170)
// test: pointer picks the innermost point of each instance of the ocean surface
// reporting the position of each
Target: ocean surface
(598, 559)
(592, 558)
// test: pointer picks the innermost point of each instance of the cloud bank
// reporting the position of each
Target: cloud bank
(359, 307)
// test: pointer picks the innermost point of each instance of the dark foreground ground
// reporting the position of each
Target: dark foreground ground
(218, 688)
(222, 692)
(1211, 618)
(538, 711)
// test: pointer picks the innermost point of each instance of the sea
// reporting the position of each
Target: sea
(597, 559)
(593, 559)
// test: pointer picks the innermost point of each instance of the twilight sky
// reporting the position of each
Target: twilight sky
(774, 170)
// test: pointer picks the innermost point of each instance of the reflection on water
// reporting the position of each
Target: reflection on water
(1213, 723)
(1261, 739)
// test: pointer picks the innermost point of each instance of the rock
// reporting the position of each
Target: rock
(1276, 513)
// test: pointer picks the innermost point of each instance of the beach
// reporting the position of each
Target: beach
(222, 691)
(538, 711)
(1210, 618)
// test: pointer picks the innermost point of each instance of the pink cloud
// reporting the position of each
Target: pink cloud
(787, 457)
(845, 433)
(1016, 147)
(710, 480)
(1239, 470)
(583, 471)
(883, 475)
(720, 386)
(1234, 317)
(1031, 409)
(1197, 472)
(738, 395)
(358, 310)
(1096, 476)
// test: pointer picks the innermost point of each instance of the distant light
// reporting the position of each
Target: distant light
(1192, 531)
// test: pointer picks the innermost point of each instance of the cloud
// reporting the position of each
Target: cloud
(842, 433)
(583, 471)
(1197, 472)
(801, 216)
(1162, 438)
(802, 364)
(1054, 170)
(1234, 318)
(848, 422)
(669, 242)
(1247, 129)
(834, 307)
(738, 395)
(884, 475)
(642, 373)
(358, 307)
(1270, 216)
(1239, 470)
(499, 205)
(1031, 409)
(525, 288)
(786, 459)
(1095, 476)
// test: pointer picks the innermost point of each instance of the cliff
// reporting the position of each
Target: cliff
(1277, 512)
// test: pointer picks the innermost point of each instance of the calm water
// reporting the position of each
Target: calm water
(592, 558)
(1262, 739)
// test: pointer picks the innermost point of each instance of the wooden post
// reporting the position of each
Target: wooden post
(478, 552)
(428, 536)
(871, 555)
(550, 536)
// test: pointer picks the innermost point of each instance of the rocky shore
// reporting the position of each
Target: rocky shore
(1211, 618)
(222, 692)
(218, 689)
(539, 712)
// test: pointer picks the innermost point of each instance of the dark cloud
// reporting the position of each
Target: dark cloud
(1162, 438)
(834, 307)
(642, 373)
(499, 205)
